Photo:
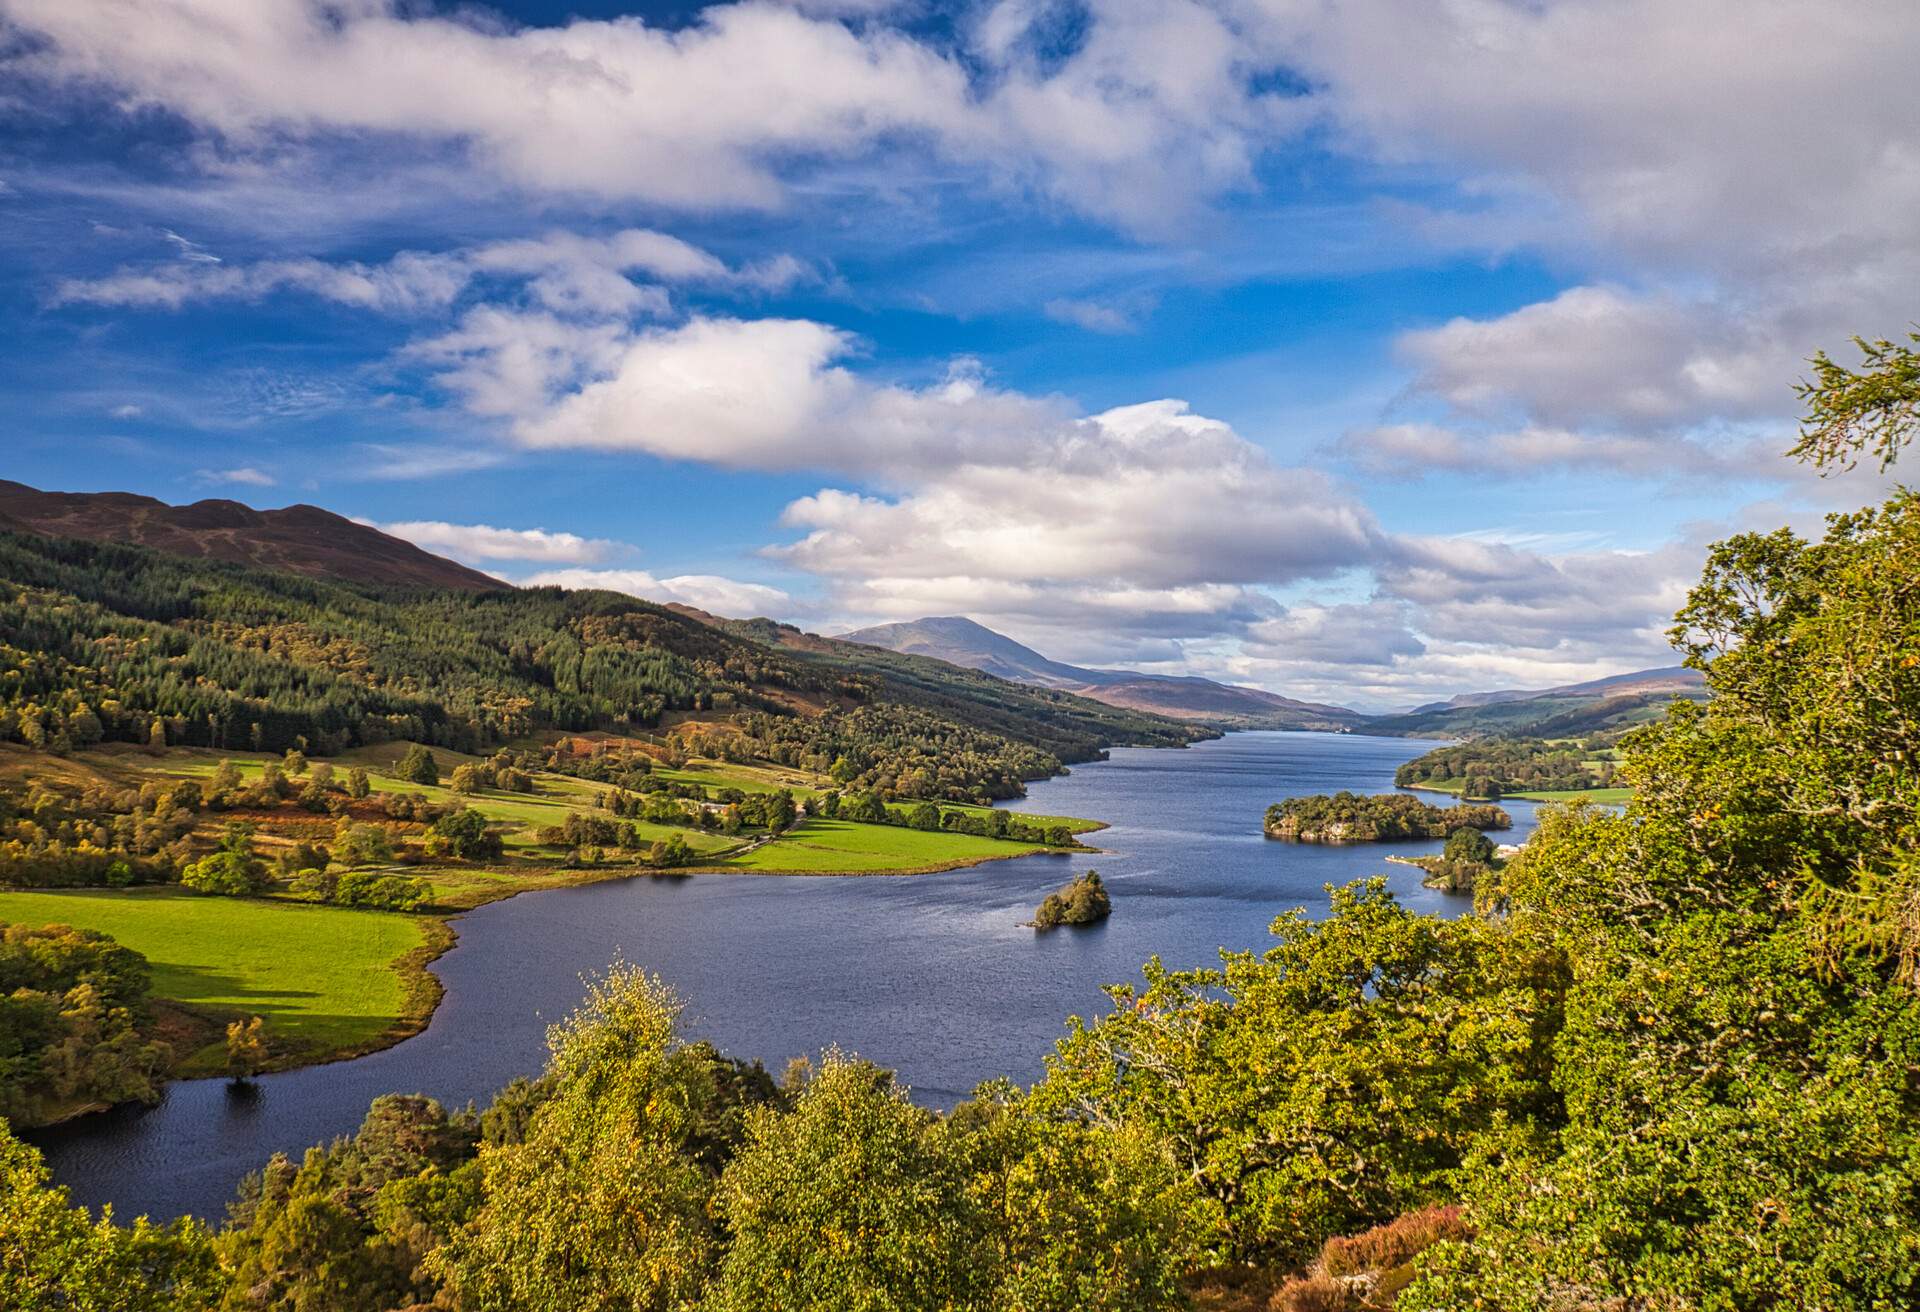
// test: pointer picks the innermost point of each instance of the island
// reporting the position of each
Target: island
(1468, 856)
(1347, 817)
(1083, 902)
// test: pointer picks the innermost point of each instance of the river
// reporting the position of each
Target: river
(932, 975)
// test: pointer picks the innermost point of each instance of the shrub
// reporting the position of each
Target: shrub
(366, 888)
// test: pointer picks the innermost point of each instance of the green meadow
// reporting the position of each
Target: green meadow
(1599, 796)
(323, 978)
(843, 847)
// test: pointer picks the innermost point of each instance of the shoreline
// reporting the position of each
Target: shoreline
(423, 990)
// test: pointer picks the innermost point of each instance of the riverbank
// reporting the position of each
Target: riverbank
(315, 973)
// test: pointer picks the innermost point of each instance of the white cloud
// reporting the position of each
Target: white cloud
(1145, 518)
(1410, 451)
(1094, 316)
(407, 284)
(245, 475)
(731, 598)
(1152, 111)
(483, 542)
(1372, 633)
(1602, 354)
(385, 461)
(128, 411)
(564, 272)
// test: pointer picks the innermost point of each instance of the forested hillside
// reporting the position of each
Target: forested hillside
(118, 643)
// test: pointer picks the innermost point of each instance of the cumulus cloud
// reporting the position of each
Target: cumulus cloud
(483, 542)
(1475, 592)
(709, 592)
(1602, 354)
(1147, 518)
(1155, 108)
(1372, 633)
(1718, 150)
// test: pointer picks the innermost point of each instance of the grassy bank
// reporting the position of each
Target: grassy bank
(843, 847)
(329, 981)
(1599, 796)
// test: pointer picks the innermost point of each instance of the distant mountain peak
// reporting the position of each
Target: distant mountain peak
(962, 641)
(301, 539)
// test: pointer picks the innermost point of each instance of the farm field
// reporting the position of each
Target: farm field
(843, 847)
(323, 978)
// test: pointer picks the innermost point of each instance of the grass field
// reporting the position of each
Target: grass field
(321, 977)
(1074, 823)
(1599, 796)
(843, 847)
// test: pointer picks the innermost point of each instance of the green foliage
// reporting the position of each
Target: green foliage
(1468, 845)
(418, 766)
(246, 1047)
(54, 1258)
(605, 1203)
(672, 850)
(349, 1229)
(1871, 411)
(71, 1002)
(357, 844)
(1350, 818)
(465, 834)
(1083, 902)
(1334, 1081)
(231, 873)
(858, 1199)
(380, 892)
(64, 838)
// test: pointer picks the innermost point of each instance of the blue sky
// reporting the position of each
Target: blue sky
(1370, 356)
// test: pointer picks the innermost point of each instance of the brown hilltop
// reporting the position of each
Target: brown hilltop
(301, 539)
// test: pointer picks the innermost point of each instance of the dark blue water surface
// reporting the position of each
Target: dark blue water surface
(932, 975)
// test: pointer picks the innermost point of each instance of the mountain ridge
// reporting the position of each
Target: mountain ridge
(298, 539)
(962, 641)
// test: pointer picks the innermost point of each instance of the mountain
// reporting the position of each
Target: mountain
(1017, 709)
(105, 639)
(960, 641)
(300, 539)
(1566, 711)
(1669, 679)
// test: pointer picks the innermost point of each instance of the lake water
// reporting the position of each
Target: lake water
(932, 975)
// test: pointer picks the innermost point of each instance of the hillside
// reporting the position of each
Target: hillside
(109, 642)
(1570, 710)
(961, 641)
(971, 694)
(299, 539)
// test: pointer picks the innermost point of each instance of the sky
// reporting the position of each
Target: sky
(1366, 353)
